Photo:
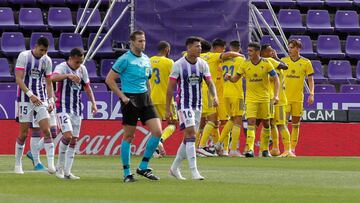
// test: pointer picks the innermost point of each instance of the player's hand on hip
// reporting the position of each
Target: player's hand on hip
(216, 101)
(35, 100)
(125, 99)
(50, 107)
(310, 99)
(275, 100)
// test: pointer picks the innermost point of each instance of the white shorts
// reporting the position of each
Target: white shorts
(189, 118)
(68, 122)
(27, 112)
(52, 120)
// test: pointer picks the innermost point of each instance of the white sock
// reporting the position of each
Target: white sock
(180, 156)
(62, 151)
(191, 156)
(70, 153)
(34, 147)
(50, 153)
(19, 150)
(41, 144)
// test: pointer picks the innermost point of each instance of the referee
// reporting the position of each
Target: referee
(134, 70)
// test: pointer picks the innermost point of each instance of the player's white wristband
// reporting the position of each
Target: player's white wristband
(29, 93)
(51, 100)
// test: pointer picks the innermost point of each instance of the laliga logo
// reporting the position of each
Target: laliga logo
(93, 145)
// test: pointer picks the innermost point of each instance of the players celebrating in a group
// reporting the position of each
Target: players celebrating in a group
(31, 67)
(71, 76)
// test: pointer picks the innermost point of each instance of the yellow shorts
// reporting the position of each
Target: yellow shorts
(280, 115)
(221, 110)
(258, 110)
(295, 108)
(207, 104)
(234, 106)
(272, 110)
(161, 110)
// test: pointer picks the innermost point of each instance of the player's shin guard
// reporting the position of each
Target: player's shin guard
(191, 154)
(264, 139)
(125, 157)
(226, 130)
(294, 136)
(275, 137)
(235, 133)
(216, 135)
(167, 132)
(34, 146)
(69, 160)
(198, 137)
(285, 134)
(208, 129)
(19, 151)
(250, 138)
(50, 153)
(149, 151)
(63, 147)
(180, 156)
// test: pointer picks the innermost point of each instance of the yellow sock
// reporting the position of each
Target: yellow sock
(198, 137)
(275, 137)
(167, 132)
(216, 135)
(206, 133)
(250, 138)
(235, 133)
(285, 134)
(226, 142)
(264, 139)
(225, 131)
(294, 136)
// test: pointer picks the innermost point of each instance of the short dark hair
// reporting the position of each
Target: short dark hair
(192, 39)
(205, 46)
(163, 45)
(254, 45)
(136, 32)
(218, 43)
(296, 43)
(43, 41)
(264, 46)
(77, 52)
(235, 44)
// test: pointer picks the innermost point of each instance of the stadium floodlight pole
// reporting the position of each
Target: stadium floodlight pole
(90, 17)
(110, 30)
(277, 22)
(255, 35)
(238, 33)
(256, 22)
(82, 16)
(132, 16)
(100, 29)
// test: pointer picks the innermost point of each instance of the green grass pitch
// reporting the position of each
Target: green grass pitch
(301, 179)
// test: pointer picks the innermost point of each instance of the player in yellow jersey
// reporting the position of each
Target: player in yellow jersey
(299, 69)
(256, 71)
(161, 67)
(278, 119)
(234, 104)
(214, 59)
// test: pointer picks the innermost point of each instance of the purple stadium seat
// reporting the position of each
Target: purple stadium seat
(91, 68)
(347, 21)
(8, 87)
(352, 47)
(318, 21)
(77, 1)
(355, 89)
(357, 3)
(267, 39)
(95, 21)
(268, 18)
(105, 49)
(307, 47)
(283, 3)
(12, 43)
(338, 3)
(259, 3)
(98, 87)
(5, 75)
(358, 71)
(318, 72)
(325, 88)
(339, 71)
(106, 65)
(290, 20)
(68, 41)
(56, 61)
(36, 35)
(31, 19)
(52, 2)
(7, 19)
(60, 19)
(30, 2)
(310, 3)
(328, 46)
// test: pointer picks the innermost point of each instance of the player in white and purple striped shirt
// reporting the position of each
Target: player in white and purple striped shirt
(70, 76)
(188, 74)
(31, 67)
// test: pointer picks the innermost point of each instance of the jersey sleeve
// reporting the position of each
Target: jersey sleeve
(59, 69)
(241, 68)
(21, 62)
(48, 67)
(85, 76)
(207, 74)
(309, 69)
(120, 65)
(175, 72)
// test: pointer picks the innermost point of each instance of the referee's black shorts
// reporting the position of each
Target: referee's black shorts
(139, 107)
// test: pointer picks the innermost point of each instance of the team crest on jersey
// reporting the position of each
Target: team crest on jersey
(194, 79)
(35, 73)
(293, 71)
(255, 75)
(74, 85)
